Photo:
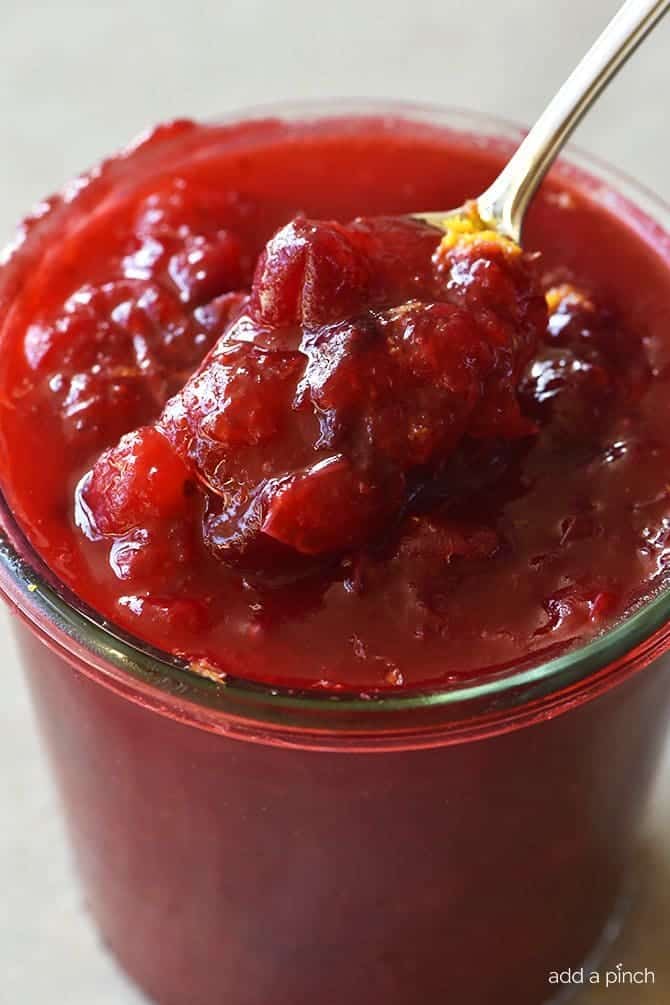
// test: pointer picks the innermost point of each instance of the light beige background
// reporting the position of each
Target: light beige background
(78, 79)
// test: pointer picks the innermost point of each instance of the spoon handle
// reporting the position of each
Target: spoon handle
(505, 202)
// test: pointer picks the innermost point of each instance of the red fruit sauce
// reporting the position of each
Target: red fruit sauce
(253, 415)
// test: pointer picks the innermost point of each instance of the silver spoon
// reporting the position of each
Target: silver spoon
(503, 205)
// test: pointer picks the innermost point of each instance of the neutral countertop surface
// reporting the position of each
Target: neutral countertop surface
(79, 79)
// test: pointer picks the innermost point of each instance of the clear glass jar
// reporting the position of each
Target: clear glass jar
(262, 845)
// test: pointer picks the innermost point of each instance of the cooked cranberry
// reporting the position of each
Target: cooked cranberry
(309, 273)
(573, 390)
(327, 507)
(586, 366)
(142, 555)
(112, 356)
(205, 268)
(140, 480)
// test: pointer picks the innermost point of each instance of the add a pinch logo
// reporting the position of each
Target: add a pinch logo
(609, 978)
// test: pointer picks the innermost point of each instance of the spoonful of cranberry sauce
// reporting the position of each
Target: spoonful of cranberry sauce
(362, 356)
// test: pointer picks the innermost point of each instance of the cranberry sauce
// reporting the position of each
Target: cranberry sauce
(256, 417)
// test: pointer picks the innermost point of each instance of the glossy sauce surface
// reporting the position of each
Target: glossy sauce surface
(487, 535)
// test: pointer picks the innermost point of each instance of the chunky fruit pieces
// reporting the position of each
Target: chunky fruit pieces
(331, 396)
(117, 296)
(139, 480)
(585, 366)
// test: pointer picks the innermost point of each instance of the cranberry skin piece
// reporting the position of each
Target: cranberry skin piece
(328, 508)
(309, 273)
(139, 480)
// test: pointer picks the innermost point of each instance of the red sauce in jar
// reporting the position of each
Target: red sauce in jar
(347, 458)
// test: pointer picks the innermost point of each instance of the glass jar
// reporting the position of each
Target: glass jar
(260, 845)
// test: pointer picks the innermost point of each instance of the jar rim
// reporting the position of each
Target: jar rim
(298, 718)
